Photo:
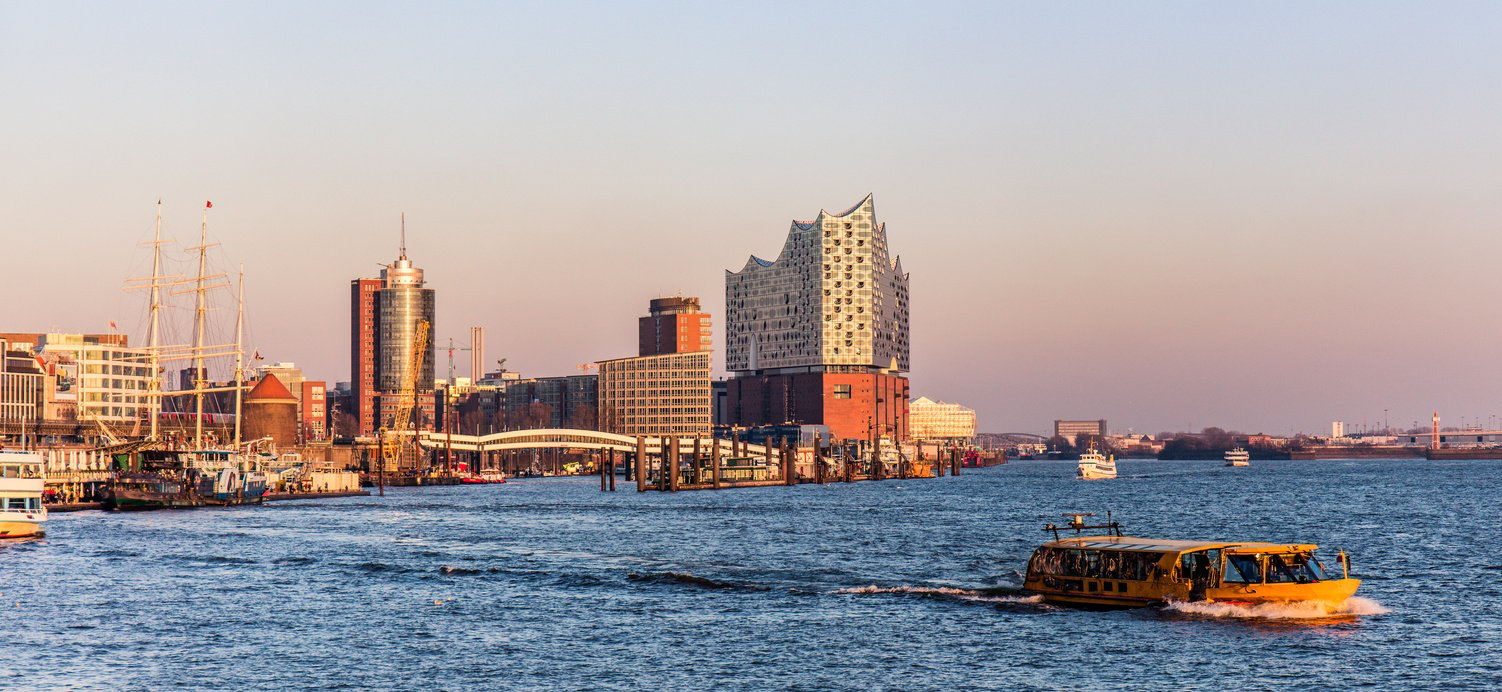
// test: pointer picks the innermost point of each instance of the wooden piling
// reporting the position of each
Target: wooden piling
(698, 468)
(819, 457)
(938, 466)
(641, 464)
(714, 471)
(604, 469)
(670, 461)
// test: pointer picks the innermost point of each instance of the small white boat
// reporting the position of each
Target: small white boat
(1238, 457)
(21, 485)
(1094, 465)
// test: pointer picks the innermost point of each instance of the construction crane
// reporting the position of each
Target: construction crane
(395, 435)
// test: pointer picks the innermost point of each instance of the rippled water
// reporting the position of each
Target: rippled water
(896, 585)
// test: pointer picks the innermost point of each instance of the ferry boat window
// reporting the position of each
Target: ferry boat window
(1243, 569)
(1289, 569)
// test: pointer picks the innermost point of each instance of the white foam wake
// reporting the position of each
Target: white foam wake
(1294, 610)
(943, 591)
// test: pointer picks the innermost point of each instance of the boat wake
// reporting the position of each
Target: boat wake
(990, 595)
(1296, 610)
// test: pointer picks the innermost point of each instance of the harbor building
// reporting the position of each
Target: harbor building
(936, 421)
(665, 388)
(383, 319)
(1072, 429)
(673, 325)
(106, 380)
(819, 336)
(663, 394)
(311, 397)
(570, 401)
(21, 385)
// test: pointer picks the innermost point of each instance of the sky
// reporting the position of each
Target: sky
(1256, 216)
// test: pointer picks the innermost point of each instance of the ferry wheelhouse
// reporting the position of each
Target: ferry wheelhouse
(1123, 571)
(21, 485)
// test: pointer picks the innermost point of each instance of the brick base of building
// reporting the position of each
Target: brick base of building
(853, 405)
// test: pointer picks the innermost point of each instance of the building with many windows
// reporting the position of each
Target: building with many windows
(936, 421)
(1072, 429)
(383, 323)
(674, 325)
(820, 335)
(106, 380)
(665, 394)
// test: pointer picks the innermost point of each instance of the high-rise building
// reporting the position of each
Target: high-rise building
(820, 335)
(673, 325)
(383, 320)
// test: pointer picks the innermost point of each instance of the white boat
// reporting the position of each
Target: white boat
(21, 485)
(1094, 465)
(1238, 457)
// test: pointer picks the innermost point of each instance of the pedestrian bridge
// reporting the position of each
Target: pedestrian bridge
(565, 438)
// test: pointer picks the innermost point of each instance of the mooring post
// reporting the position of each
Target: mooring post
(819, 457)
(612, 470)
(714, 471)
(641, 464)
(955, 471)
(671, 463)
(604, 469)
(938, 466)
(698, 473)
(766, 453)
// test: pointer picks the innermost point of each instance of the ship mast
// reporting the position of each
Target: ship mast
(199, 314)
(239, 353)
(154, 385)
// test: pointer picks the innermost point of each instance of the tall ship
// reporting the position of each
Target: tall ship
(1113, 570)
(193, 469)
(1096, 466)
(21, 485)
(1238, 457)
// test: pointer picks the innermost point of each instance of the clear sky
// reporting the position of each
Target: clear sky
(1261, 216)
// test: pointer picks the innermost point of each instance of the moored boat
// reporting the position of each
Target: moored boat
(1113, 570)
(21, 485)
(1238, 457)
(1094, 465)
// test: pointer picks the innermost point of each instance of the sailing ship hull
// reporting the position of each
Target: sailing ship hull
(131, 500)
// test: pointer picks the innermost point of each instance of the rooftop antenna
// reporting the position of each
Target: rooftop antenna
(404, 236)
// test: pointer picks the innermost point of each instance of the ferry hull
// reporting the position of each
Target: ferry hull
(20, 528)
(1087, 593)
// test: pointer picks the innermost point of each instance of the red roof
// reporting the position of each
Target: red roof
(269, 391)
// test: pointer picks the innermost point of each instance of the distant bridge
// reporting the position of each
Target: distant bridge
(565, 438)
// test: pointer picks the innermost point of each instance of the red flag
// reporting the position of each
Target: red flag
(112, 324)
(258, 355)
(208, 205)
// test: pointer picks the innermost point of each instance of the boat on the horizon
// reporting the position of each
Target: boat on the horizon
(1238, 457)
(1114, 570)
(1096, 466)
(22, 482)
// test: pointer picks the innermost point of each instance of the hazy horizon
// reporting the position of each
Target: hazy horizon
(1170, 216)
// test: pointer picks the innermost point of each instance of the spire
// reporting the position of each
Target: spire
(403, 252)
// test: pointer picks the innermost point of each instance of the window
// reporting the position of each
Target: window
(842, 391)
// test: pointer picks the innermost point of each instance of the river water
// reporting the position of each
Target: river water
(550, 583)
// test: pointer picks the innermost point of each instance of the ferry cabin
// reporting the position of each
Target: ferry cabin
(1122, 571)
(21, 485)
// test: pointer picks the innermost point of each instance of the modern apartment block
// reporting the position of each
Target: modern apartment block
(664, 394)
(665, 389)
(383, 324)
(820, 335)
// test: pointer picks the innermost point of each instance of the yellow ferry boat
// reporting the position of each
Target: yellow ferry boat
(1125, 572)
